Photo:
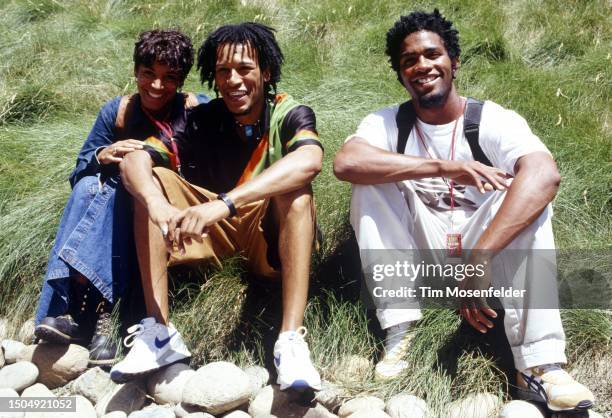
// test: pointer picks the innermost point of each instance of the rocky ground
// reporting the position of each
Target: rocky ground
(218, 389)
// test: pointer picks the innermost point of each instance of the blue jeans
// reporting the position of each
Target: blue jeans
(95, 240)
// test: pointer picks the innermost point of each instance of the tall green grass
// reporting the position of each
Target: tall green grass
(550, 61)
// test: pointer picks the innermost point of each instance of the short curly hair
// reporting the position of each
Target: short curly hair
(415, 22)
(170, 47)
(260, 37)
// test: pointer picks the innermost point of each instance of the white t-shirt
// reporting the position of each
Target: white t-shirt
(504, 137)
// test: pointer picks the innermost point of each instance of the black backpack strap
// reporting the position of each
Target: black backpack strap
(405, 119)
(471, 129)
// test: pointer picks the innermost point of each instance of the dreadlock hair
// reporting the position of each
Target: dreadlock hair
(415, 22)
(258, 36)
(169, 47)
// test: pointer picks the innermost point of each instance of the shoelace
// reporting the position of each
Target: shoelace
(103, 324)
(397, 343)
(133, 333)
(298, 345)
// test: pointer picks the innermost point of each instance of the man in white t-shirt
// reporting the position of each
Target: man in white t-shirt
(435, 194)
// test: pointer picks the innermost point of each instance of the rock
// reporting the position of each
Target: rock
(183, 409)
(115, 414)
(18, 376)
(2, 360)
(369, 413)
(12, 349)
(37, 390)
(128, 398)
(520, 409)
(58, 364)
(84, 409)
(352, 369)
(331, 396)
(217, 387)
(406, 406)
(237, 414)
(593, 414)
(93, 384)
(26, 332)
(479, 405)
(271, 401)
(258, 378)
(8, 393)
(362, 402)
(155, 412)
(166, 385)
(199, 415)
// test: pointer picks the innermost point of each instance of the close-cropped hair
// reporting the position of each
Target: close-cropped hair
(169, 47)
(418, 21)
(257, 36)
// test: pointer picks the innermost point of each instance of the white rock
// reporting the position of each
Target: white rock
(258, 378)
(331, 396)
(166, 385)
(8, 393)
(352, 368)
(18, 376)
(37, 390)
(128, 397)
(58, 364)
(93, 384)
(182, 410)
(26, 332)
(406, 406)
(12, 349)
(237, 414)
(593, 414)
(362, 402)
(217, 387)
(520, 409)
(115, 414)
(155, 412)
(480, 405)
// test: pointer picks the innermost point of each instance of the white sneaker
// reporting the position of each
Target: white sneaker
(153, 347)
(397, 344)
(552, 385)
(293, 364)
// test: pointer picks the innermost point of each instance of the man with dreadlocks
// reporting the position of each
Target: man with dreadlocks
(436, 185)
(248, 160)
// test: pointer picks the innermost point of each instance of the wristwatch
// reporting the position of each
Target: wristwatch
(229, 203)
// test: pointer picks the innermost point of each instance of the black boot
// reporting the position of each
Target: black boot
(103, 350)
(70, 328)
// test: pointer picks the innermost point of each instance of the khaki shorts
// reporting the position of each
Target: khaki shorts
(251, 232)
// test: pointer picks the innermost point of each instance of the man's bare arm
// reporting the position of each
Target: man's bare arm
(535, 186)
(292, 172)
(359, 162)
(295, 170)
(137, 177)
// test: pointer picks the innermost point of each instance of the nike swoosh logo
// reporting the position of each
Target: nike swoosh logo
(160, 343)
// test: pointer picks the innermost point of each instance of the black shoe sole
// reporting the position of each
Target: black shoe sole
(52, 335)
(528, 395)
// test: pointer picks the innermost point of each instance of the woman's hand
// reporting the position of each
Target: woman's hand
(114, 153)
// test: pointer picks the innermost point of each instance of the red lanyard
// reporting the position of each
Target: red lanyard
(452, 157)
(166, 129)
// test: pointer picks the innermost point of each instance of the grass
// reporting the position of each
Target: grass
(547, 60)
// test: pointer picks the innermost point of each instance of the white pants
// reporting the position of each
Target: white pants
(391, 216)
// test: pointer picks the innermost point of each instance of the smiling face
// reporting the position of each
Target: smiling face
(240, 81)
(157, 86)
(426, 70)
